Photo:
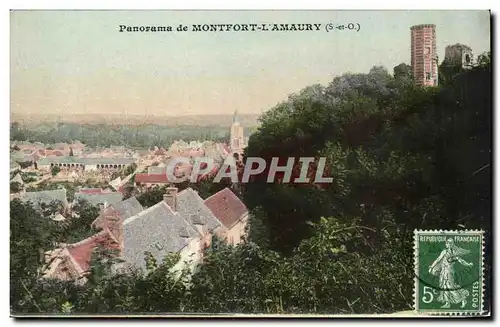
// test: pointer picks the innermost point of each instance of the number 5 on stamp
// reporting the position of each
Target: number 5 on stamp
(449, 272)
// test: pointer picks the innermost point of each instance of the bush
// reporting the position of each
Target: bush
(55, 170)
(15, 187)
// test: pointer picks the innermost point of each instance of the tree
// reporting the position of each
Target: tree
(207, 187)
(130, 169)
(484, 59)
(379, 139)
(49, 210)
(129, 191)
(55, 170)
(379, 72)
(15, 187)
(25, 164)
(115, 175)
(30, 236)
(142, 136)
(403, 75)
(448, 71)
(402, 71)
(17, 133)
(152, 196)
(78, 228)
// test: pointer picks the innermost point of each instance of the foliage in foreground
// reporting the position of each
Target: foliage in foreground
(338, 260)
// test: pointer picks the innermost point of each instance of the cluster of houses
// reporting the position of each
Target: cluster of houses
(182, 223)
(30, 153)
(76, 162)
(87, 164)
(46, 199)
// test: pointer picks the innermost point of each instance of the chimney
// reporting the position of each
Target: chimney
(183, 232)
(170, 198)
(200, 223)
(41, 256)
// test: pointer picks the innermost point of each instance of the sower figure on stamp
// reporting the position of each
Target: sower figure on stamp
(443, 268)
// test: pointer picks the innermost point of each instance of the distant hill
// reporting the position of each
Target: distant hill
(247, 120)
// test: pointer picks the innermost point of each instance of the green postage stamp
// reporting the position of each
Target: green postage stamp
(449, 272)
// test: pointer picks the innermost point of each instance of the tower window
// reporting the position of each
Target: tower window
(428, 76)
(428, 50)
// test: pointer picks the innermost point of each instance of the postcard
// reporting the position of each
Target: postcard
(319, 163)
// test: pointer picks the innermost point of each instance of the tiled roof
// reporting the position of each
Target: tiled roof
(226, 206)
(159, 152)
(19, 156)
(82, 251)
(157, 230)
(17, 179)
(191, 153)
(128, 208)
(150, 178)
(108, 161)
(115, 183)
(157, 170)
(61, 146)
(14, 165)
(78, 144)
(59, 160)
(190, 205)
(96, 199)
(46, 197)
(91, 190)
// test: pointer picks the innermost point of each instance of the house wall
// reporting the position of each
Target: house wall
(149, 185)
(190, 256)
(61, 267)
(90, 167)
(65, 271)
(236, 233)
(44, 167)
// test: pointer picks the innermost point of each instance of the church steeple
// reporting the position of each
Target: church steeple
(237, 137)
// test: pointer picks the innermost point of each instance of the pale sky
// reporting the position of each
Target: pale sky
(65, 62)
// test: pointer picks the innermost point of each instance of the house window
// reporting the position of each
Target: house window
(428, 76)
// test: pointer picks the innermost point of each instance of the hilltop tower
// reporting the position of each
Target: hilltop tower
(459, 54)
(424, 55)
